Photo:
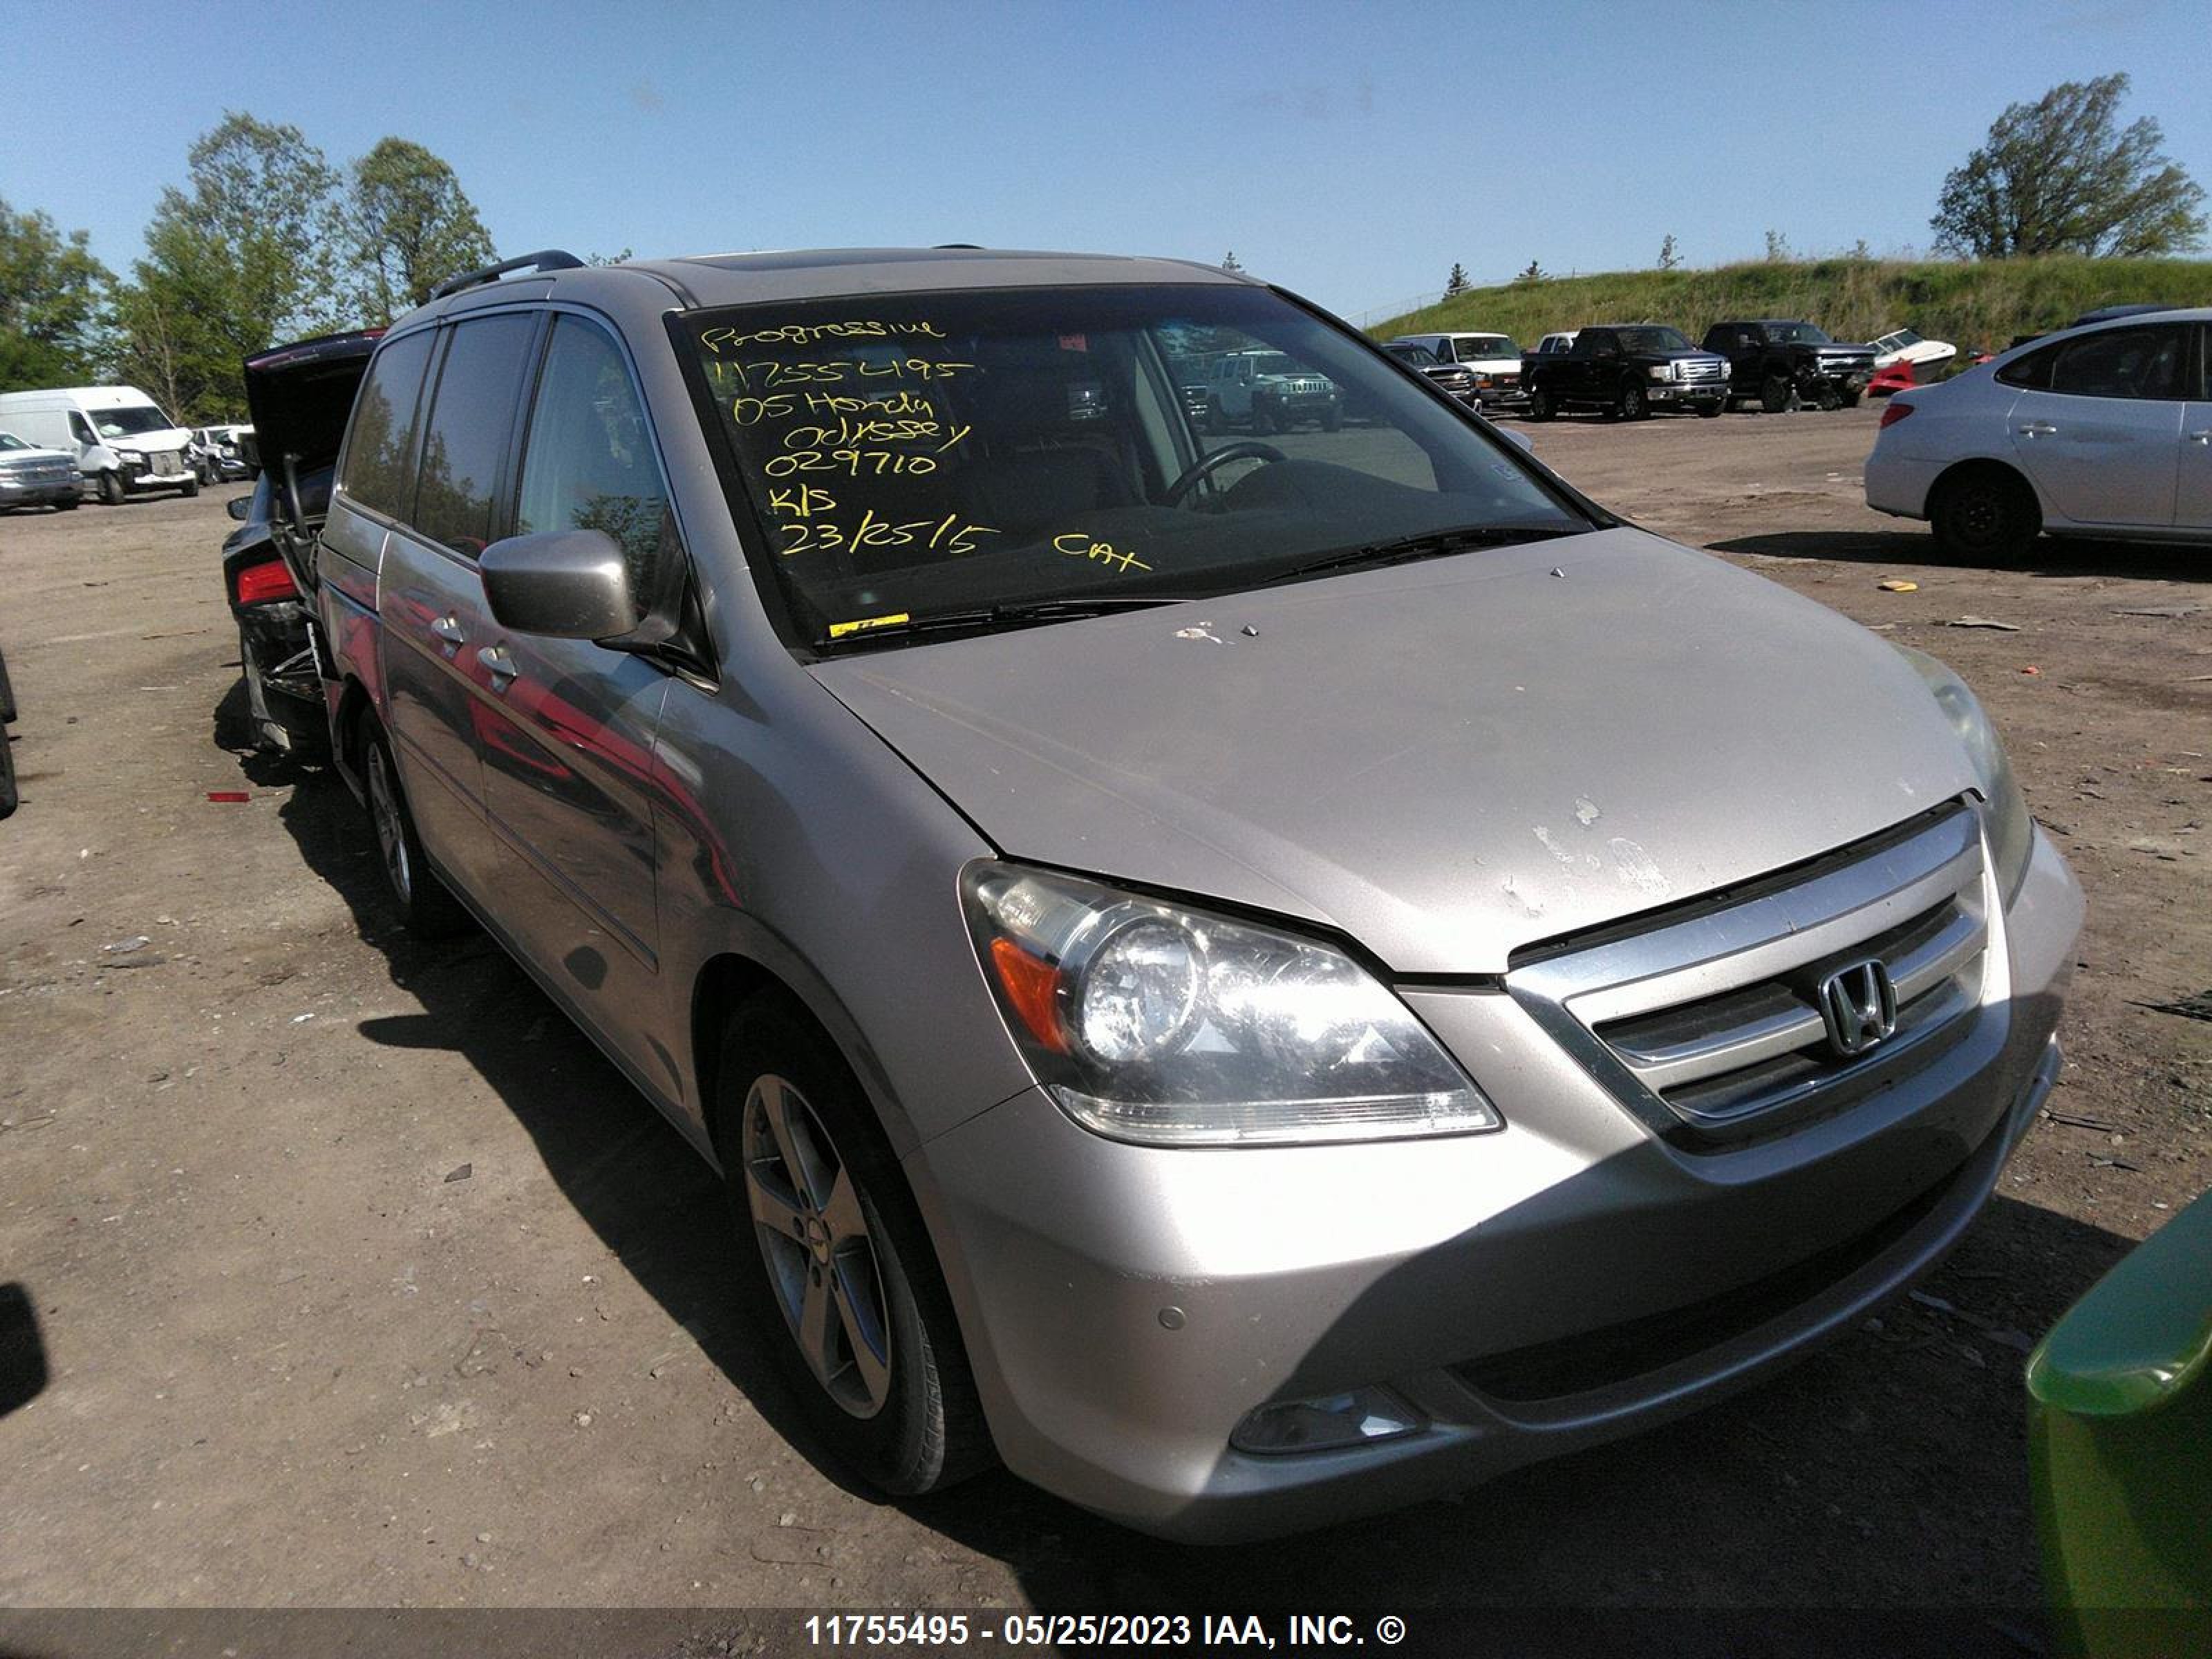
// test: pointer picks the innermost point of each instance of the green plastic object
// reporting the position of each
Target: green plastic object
(2120, 1447)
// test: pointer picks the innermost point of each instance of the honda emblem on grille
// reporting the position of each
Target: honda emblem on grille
(1859, 1005)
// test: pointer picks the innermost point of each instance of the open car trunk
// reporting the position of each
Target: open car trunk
(300, 397)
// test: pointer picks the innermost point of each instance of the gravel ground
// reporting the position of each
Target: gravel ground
(367, 1283)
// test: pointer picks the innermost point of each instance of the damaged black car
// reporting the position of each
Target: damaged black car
(301, 395)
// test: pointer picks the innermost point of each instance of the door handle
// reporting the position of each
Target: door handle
(449, 629)
(497, 664)
(2038, 429)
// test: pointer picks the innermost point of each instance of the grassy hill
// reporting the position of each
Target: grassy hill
(1966, 302)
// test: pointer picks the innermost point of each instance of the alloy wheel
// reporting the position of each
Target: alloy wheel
(384, 812)
(815, 1244)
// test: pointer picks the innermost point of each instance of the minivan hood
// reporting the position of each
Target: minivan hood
(1444, 759)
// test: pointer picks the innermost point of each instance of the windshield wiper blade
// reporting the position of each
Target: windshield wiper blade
(995, 615)
(1426, 545)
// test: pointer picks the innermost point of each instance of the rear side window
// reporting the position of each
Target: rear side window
(378, 469)
(2033, 371)
(471, 429)
(2121, 362)
(590, 463)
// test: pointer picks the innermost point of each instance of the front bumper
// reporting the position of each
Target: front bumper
(38, 492)
(1126, 1307)
(1689, 393)
(149, 474)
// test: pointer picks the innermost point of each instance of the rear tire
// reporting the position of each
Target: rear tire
(110, 488)
(1988, 516)
(425, 909)
(1211, 423)
(827, 1231)
(9, 799)
(1263, 419)
(7, 695)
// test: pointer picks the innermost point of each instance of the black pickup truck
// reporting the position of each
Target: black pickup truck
(1781, 363)
(1626, 369)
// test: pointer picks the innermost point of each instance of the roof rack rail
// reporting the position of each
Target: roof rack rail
(546, 258)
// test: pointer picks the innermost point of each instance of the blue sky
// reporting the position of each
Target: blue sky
(1351, 152)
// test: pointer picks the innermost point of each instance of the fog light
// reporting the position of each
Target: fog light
(1357, 1418)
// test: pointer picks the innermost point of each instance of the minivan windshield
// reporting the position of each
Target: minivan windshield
(1014, 456)
(130, 422)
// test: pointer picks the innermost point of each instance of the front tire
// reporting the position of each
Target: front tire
(1540, 405)
(425, 909)
(191, 487)
(1985, 517)
(110, 488)
(67, 504)
(1635, 402)
(838, 1281)
(1710, 409)
(1777, 396)
(1850, 399)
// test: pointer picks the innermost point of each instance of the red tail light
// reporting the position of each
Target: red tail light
(1896, 411)
(258, 583)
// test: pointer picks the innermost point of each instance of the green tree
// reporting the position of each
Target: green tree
(2060, 175)
(237, 261)
(50, 297)
(1457, 282)
(1778, 248)
(1669, 255)
(1230, 262)
(409, 225)
(1534, 273)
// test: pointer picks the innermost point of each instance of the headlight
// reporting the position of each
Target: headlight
(2012, 831)
(1660, 371)
(137, 455)
(1148, 1022)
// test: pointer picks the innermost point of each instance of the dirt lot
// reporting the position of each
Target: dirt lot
(367, 1282)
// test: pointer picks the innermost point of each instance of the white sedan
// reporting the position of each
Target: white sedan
(2100, 431)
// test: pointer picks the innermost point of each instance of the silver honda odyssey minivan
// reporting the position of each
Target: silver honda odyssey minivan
(1250, 976)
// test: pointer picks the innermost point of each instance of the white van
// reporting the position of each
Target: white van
(122, 440)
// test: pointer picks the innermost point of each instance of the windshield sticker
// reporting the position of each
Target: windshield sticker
(1077, 543)
(839, 630)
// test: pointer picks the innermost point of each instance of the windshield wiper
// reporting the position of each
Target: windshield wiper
(1426, 545)
(1009, 613)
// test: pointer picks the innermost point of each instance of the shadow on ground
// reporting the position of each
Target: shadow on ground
(1888, 1470)
(650, 1198)
(2050, 557)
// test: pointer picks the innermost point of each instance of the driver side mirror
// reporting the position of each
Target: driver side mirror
(238, 506)
(567, 584)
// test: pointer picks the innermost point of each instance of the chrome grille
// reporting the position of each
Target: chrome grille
(167, 463)
(1700, 368)
(1706, 1021)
